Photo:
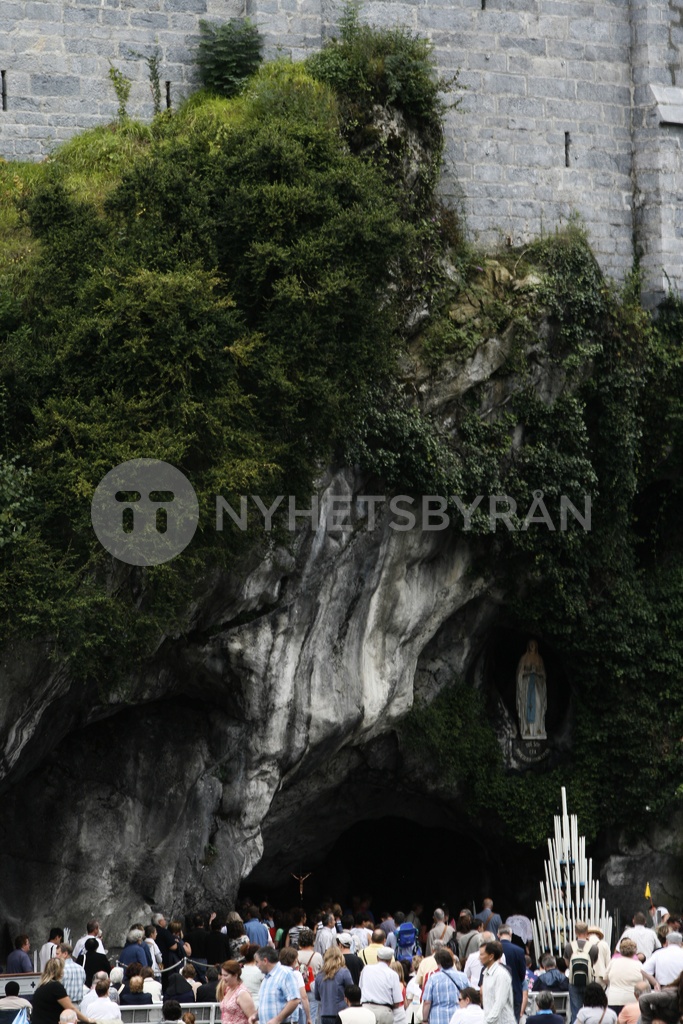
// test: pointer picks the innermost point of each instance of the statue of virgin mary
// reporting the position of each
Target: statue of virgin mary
(532, 695)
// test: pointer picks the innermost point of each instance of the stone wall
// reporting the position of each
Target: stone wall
(657, 58)
(56, 57)
(557, 116)
(543, 129)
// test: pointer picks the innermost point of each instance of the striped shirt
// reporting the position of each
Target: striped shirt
(73, 981)
(279, 985)
(443, 992)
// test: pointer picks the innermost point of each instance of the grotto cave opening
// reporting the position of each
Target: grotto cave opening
(399, 862)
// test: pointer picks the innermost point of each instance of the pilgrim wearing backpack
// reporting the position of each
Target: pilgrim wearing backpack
(310, 963)
(580, 955)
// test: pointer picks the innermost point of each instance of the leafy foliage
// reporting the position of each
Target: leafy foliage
(606, 599)
(398, 445)
(153, 62)
(228, 55)
(221, 304)
(454, 734)
(389, 96)
(386, 67)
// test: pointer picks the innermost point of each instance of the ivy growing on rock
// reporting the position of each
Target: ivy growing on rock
(607, 599)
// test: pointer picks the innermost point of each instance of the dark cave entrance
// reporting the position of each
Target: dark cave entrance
(399, 862)
(394, 829)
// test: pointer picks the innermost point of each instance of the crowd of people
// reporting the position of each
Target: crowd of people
(349, 968)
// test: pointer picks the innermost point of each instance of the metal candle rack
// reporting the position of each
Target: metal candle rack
(569, 892)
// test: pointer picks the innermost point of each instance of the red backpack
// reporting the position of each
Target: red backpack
(308, 975)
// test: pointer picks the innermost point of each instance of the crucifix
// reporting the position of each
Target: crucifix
(301, 879)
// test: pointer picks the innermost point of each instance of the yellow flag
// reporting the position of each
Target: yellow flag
(648, 894)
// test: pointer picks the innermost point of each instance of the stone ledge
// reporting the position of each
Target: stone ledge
(669, 100)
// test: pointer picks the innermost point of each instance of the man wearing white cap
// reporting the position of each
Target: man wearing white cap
(380, 988)
(665, 965)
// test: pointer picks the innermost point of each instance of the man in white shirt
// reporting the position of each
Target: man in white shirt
(327, 935)
(469, 1008)
(473, 967)
(12, 1000)
(90, 997)
(496, 988)
(152, 987)
(665, 965)
(102, 1008)
(645, 938)
(93, 932)
(49, 949)
(380, 989)
(355, 1013)
(362, 932)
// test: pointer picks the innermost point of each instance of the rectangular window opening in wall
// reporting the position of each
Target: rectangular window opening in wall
(3, 89)
(567, 143)
(168, 95)
(483, 5)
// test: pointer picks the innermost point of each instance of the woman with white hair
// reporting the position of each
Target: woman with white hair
(134, 950)
(116, 980)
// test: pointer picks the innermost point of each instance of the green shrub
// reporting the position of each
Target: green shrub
(223, 307)
(228, 55)
(389, 67)
(376, 75)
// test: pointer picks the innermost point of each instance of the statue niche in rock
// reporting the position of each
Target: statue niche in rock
(532, 694)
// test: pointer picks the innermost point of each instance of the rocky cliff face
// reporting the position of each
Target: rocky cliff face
(295, 675)
(159, 795)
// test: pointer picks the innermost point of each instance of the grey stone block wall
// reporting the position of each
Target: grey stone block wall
(657, 57)
(556, 116)
(547, 83)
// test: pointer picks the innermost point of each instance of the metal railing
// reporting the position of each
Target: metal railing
(205, 1013)
(561, 1000)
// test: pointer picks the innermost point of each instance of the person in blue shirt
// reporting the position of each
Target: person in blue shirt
(255, 929)
(488, 918)
(441, 994)
(515, 963)
(19, 962)
(279, 992)
(551, 979)
(135, 951)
